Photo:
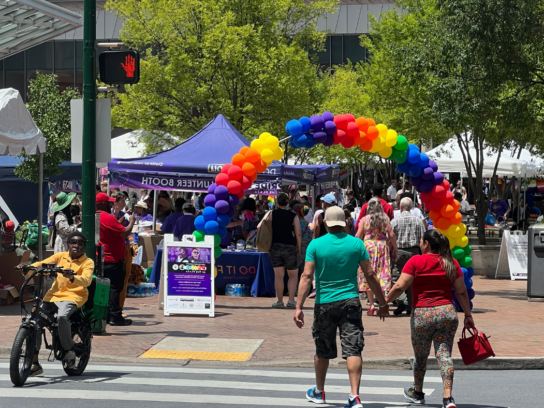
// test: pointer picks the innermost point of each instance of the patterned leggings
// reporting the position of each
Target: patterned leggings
(434, 325)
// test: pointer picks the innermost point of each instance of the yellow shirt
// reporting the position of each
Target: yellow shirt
(62, 289)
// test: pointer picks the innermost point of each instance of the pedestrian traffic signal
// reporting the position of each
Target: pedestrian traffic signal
(119, 67)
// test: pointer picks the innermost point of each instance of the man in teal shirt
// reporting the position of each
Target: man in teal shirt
(334, 258)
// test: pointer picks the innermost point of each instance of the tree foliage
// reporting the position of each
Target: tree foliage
(246, 59)
(50, 109)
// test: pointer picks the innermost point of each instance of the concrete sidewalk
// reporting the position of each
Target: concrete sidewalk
(502, 311)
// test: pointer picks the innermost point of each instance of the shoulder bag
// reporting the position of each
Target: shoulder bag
(264, 236)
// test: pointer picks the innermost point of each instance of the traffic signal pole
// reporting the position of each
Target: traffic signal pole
(88, 165)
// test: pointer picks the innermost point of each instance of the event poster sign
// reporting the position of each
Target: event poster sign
(513, 255)
(189, 277)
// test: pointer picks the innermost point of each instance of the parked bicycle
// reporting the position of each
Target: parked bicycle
(34, 325)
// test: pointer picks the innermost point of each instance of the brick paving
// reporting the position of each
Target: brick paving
(502, 311)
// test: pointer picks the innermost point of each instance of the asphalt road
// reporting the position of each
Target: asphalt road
(130, 386)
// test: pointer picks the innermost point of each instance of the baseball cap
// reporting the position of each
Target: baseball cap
(329, 198)
(335, 217)
(103, 197)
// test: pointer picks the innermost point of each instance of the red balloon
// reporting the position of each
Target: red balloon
(438, 191)
(448, 198)
(350, 118)
(362, 123)
(447, 211)
(434, 215)
(238, 160)
(434, 205)
(241, 194)
(348, 142)
(372, 133)
(352, 129)
(246, 183)
(222, 179)
(335, 137)
(357, 139)
(260, 166)
(456, 219)
(243, 150)
(226, 168)
(446, 185)
(234, 187)
(366, 145)
(426, 198)
(442, 223)
(341, 135)
(341, 122)
(235, 173)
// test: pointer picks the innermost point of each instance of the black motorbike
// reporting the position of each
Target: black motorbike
(33, 327)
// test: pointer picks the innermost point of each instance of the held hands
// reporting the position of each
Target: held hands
(299, 318)
(383, 311)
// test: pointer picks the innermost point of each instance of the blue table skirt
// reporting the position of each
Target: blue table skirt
(249, 268)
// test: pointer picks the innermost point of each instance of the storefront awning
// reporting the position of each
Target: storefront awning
(26, 23)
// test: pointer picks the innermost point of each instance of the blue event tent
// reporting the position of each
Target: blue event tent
(194, 163)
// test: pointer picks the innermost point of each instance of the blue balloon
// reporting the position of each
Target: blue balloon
(468, 283)
(311, 141)
(404, 167)
(306, 123)
(293, 127)
(200, 222)
(222, 232)
(302, 140)
(465, 272)
(211, 228)
(456, 303)
(209, 214)
(470, 272)
(415, 170)
(293, 142)
(423, 160)
(223, 220)
(412, 146)
(413, 157)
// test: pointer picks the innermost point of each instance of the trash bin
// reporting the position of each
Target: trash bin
(535, 267)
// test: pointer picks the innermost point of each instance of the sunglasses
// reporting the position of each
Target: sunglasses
(78, 242)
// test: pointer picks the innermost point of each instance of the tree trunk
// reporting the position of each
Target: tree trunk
(481, 208)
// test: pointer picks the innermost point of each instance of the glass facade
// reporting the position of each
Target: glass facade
(339, 48)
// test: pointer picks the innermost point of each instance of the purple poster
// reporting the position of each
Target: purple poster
(189, 271)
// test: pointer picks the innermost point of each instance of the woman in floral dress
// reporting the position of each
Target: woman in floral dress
(376, 232)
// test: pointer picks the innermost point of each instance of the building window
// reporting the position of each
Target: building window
(65, 52)
(39, 59)
(14, 68)
(340, 48)
(79, 66)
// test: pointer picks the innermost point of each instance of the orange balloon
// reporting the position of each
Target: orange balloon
(442, 223)
(456, 205)
(260, 166)
(362, 123)
(456, 219)
(252, 155)
(357, 139)
(434, 215)
(371, 122)
(243, 150)
(253, 178)
(366, 144)
(248, 169)
(238, 160)
(447, 211)
(372, 133)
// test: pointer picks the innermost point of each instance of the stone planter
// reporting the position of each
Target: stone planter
(485, 259)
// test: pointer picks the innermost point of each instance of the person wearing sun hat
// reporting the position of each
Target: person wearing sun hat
(62, 221)
(142, 211)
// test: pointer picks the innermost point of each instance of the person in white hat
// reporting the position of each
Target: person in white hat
(142, 211)
(334, 259)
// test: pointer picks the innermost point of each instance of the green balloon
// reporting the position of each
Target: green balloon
(199, 235)
(216, 239)
(399, 156)
(466, 262)
(458, 253)
(217, 251)
(468, 250)
(402, 143)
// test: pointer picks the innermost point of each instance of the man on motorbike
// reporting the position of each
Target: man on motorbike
(68, 293)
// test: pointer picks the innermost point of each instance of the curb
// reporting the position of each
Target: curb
(386, 363)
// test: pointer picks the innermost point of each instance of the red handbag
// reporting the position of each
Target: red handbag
(475, 348)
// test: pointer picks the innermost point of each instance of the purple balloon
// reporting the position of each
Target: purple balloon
(317, 123)
(471, 293)
(327, 116)
(210, 200)
(222, 207)
(230, 213)
(212, 188)
(234, 200)
(427, 173)
(426, 186)
(433, 165)
(329, 141)
(221, 193)
(320, 137)
(330, 128)
(471, 305)
(415, 181)
(438, 178)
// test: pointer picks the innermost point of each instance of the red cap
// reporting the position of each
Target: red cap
(103, 197)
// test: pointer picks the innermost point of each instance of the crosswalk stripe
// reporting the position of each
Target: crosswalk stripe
(168, 397)
(237, 385)
(251, 373)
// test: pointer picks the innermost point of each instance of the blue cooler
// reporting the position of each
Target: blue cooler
(237, 290)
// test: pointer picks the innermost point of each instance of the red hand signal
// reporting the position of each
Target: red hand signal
(129, 66)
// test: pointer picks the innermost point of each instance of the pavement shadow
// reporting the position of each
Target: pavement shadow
(88, 376)
(511, 294)
(400, 405)
(166, 333)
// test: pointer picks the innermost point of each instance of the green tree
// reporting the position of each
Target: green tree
(50, 109)
(246, 59)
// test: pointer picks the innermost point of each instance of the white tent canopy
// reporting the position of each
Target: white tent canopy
(17, 129)
(449, 158)
(127, 145)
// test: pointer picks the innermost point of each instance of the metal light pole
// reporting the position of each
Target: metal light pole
(88, 165)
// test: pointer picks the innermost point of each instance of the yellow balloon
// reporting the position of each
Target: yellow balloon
(452, 243)
(379, 143)
(278, 153)
(267, 156)
(382, 129)
(454, 232)
(391, 138)
(265, 136)
(461, 241)
(272, 143)
(258, 145)
(463, 228)
(386, 152)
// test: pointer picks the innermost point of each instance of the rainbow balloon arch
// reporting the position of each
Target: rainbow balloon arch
(350, 132)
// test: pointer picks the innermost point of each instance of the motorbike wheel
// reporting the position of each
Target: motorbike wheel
(82, 341)
(22, 354)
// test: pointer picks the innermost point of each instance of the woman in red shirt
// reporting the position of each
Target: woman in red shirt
(434, 318)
